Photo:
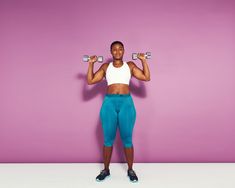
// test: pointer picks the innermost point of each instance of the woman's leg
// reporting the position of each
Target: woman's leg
(108, 117)
(129, 153)
(126, 118)
(107, 152)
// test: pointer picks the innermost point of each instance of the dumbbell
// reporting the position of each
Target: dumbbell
(86, 58)
(147, 55)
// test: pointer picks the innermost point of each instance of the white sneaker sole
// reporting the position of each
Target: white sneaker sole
(103, 179)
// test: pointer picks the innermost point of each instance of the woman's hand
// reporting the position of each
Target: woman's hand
(141, 56)
(93, 59)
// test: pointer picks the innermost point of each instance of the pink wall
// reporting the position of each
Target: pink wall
(48, 113)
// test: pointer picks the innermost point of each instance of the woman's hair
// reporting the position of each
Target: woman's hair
(116, 42)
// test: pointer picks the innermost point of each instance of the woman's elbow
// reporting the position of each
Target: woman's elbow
(147, 79)
(89, 82)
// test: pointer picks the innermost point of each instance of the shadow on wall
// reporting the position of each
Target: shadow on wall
(137, 88)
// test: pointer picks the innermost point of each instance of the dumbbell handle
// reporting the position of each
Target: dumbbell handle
(147, 55)
(86, 58)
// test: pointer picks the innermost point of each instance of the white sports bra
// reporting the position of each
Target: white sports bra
(118, 74)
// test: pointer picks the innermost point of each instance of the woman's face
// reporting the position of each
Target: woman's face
(117, 51)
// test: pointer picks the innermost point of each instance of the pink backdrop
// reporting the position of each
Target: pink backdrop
(48, 113)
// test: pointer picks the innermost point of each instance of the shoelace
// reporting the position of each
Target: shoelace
(132, 172)
(103, 172)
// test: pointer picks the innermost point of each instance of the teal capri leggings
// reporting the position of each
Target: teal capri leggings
(118, 110)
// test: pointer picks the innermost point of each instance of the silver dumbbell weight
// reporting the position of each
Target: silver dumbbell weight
(86, 58)
(147, 55)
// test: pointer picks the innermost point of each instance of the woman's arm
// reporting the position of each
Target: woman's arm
(94, 78)
(141, 74)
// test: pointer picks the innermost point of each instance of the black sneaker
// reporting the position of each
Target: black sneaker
(103, 174)
(132, 175)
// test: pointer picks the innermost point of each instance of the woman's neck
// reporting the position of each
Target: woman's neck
(118, 62)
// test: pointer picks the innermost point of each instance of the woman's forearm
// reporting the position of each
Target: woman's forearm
(90, 74)
(146, 69)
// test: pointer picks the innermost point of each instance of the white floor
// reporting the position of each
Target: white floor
(82, 175)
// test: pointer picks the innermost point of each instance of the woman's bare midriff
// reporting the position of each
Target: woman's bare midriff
(118, 89)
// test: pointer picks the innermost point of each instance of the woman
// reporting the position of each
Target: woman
(118, 108)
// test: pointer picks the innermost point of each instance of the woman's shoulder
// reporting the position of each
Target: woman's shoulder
(131, 64)
(104, 66)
